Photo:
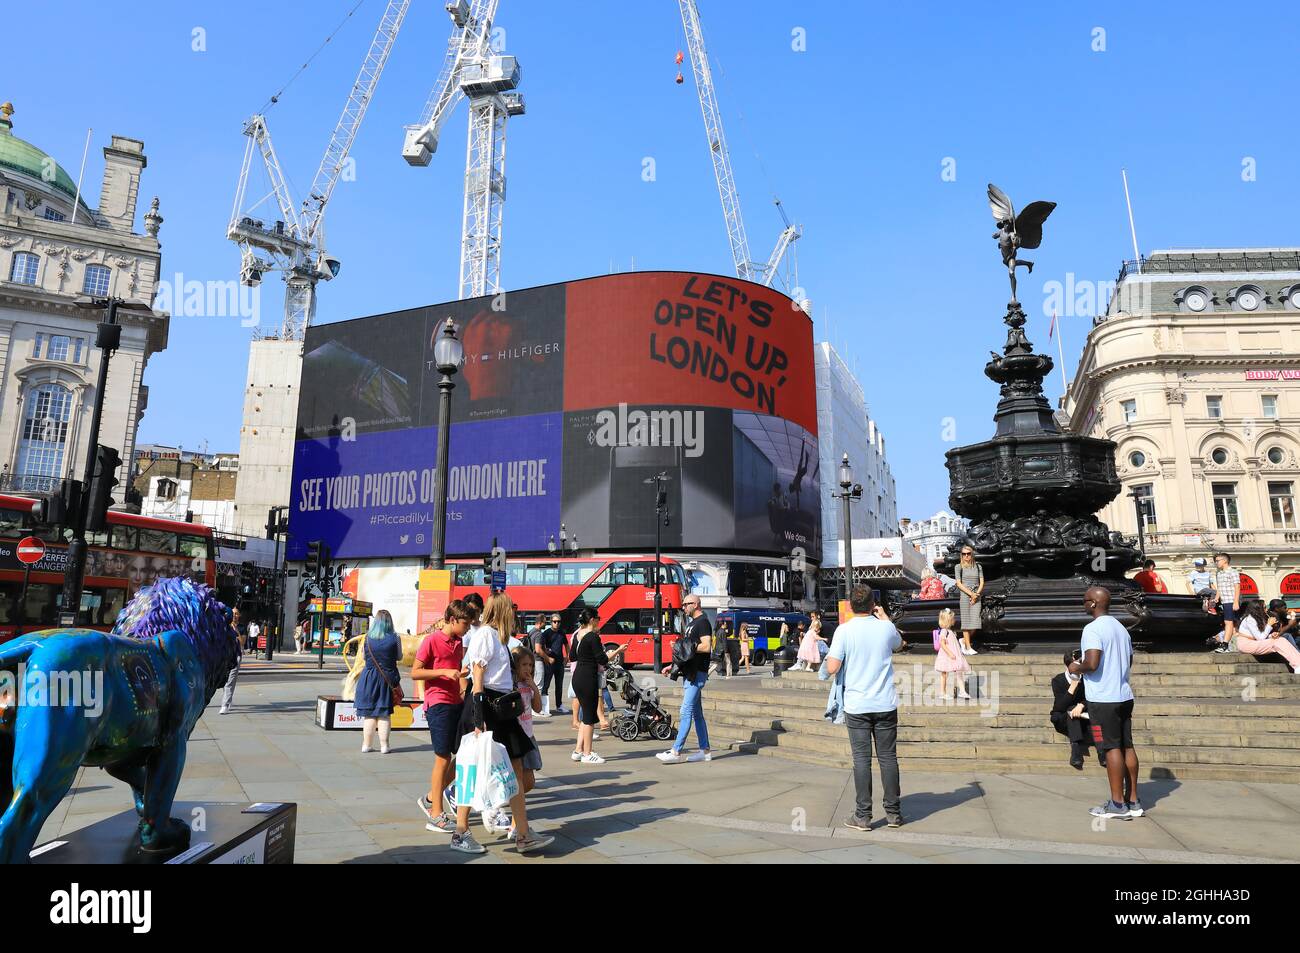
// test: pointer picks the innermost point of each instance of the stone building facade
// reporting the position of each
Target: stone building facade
(1194, 372)
(54, 250)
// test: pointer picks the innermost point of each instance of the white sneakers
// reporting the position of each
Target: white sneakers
(673, 757)
(966, 651)
(592, 758)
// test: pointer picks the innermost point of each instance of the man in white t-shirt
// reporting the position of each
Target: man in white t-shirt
(1107, 659)
(254, 631)
(863, 648)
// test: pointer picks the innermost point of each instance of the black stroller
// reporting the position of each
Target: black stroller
(643, 714)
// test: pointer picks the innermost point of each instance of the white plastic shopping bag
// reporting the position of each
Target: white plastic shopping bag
(467, 766)
(499, 783)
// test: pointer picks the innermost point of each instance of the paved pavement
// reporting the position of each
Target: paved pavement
(739, 808)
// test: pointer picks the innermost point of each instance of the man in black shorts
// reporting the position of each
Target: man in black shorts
(1107, 658)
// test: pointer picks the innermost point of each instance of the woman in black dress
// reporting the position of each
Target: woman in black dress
(589, 658)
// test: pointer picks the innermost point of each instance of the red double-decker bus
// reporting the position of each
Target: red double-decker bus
(131, 552)
(620, 588)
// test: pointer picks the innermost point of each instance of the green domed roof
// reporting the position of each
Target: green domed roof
(21, 156)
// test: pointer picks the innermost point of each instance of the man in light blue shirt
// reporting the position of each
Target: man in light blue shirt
(1107, 659)
(863, 648)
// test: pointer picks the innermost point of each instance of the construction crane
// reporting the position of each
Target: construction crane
(472, 70)
(746, 267)
(294, 243)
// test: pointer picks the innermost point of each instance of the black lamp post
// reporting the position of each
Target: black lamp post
(448, 353)
(661, 519)
(849, 491)
(108, 336)
(276, 526)
(567, 543)
(1140, 506)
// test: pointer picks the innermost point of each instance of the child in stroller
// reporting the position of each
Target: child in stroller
(643, 714)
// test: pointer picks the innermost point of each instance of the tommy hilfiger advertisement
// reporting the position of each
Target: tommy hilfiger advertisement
(570, 398)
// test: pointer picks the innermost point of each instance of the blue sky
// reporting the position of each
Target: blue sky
(853, 133)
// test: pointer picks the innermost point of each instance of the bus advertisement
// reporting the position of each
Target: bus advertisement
(132, 552)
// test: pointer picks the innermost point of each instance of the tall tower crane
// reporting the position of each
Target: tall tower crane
(472, 70)
(295, 243)
(746, 267)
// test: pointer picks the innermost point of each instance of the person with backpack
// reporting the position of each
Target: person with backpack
(691, 664)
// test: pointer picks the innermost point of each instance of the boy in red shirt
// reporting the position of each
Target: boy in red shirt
(1147, 578)
(439, 663)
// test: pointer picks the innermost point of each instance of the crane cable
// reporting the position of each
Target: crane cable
(275, 98)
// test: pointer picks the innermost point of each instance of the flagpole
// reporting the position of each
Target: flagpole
(1137, 256)
(1060, 349)
(77, 198)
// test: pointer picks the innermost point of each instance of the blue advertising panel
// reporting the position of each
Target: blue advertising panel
(373, 495)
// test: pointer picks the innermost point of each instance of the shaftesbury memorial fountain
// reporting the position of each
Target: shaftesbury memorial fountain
(1031, 493)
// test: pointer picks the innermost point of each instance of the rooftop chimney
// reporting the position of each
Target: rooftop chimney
(123, 161)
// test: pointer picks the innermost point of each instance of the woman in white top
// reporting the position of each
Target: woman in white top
(492, 674)
(1255, 636)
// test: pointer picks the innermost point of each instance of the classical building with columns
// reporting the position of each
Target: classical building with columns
(1194, 372)
(55, 249)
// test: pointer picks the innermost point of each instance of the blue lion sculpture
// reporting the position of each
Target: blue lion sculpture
(125, 702)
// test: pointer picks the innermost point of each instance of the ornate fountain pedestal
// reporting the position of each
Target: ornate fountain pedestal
(1030, 493)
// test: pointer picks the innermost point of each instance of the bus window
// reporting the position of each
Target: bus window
(614, 575)
(157, 541)
(640, 574)
(468, 575)
(105, 604)
(515, 573)
(9, 593)
(623, 622)
(42, 604)
(124, 537)
(575, 574)
(12, 523)
(97, 538)
(193, 546)
(541, 574)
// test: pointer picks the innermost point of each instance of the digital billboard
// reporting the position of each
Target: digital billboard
(571, 396)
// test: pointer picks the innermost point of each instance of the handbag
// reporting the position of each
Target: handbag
(506, 706)
(395, 691)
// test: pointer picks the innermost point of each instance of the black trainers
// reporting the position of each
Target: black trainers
(858, 824)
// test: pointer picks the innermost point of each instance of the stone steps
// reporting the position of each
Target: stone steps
(1192, 719)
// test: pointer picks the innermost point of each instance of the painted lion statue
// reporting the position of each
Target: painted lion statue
(125, 702)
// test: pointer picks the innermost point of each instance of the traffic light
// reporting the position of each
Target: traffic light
(247, 575)
(53, 510)
(487, 570)
(311, 566)
(99, 496)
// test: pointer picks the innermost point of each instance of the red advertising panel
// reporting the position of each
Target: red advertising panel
(683, 338)
(1291, 584)
(1248, 586)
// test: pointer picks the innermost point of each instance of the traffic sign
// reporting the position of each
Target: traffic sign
(31, 550)
(499, 580)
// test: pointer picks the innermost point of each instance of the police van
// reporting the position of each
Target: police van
(763, 627)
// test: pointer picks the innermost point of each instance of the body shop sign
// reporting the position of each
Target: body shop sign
(1286, 374)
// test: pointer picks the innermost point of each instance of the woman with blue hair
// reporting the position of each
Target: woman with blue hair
(381, 649)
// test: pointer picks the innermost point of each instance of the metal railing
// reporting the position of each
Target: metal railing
(1229, 539)
(29, 483)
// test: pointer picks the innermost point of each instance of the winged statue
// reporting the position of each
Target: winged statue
(1017, 231)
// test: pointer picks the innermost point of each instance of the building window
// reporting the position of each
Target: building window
(24, 268)
(1269, 403)
(1225, 505)
(59, 348)
(53, 216)
(1137, 459)
(38, 346)
(96, 281)
(44, 432)
(1146, 504)
(1130, 410)
(1213, 406)
(1219, 456)
(1275, 455)
(166, 489)
(1282, 503)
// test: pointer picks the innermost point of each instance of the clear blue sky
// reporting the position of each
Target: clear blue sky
(852, 133)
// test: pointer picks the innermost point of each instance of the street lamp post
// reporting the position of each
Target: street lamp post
(849, 491)
(661, 519)
(1139, 505)
(448, 353)
(108, 336)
